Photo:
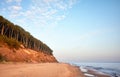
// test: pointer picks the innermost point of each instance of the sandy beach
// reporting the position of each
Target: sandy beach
(89, 72)
(39, 70)
(97, 74)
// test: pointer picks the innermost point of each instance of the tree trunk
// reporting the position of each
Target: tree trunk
(2, 31)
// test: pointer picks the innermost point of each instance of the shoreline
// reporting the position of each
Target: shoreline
(89, 72)
(39, 70)
(99, 69)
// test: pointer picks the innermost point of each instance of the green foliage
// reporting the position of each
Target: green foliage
(12, 43)
(2, 58)
(13, 35)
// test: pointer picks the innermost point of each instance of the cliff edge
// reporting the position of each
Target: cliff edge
(18, 45)
(24, 55)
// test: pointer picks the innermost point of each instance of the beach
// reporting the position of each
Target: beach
(99, 69)
(89, 72)
(39, 70)
(94, 73)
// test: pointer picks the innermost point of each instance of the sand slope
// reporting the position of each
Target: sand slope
(25, 55)
(39, 70)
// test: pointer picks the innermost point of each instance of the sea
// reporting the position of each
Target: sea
(112, 69)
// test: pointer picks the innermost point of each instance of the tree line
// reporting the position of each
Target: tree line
(16, 32)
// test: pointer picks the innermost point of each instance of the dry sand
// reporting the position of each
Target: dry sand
(39, 70)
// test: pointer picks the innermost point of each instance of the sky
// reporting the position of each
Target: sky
(76, 30)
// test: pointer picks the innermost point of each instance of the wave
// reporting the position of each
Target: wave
(105, 68)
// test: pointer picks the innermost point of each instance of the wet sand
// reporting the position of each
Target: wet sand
(97, 74)
(39, 70)
(93, 73)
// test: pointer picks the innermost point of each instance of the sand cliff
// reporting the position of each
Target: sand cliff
(24, 55)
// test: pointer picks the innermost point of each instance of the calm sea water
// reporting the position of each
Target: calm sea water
(113, 69)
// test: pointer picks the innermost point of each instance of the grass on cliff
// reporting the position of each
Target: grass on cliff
(2, 58)
(12, 43)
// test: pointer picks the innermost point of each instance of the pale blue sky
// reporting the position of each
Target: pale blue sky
(76, 30)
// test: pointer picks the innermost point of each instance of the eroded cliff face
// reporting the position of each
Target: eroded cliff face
(24, 55)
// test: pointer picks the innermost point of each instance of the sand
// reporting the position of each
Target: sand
(89, 72)
(97, 73)
(39, 70)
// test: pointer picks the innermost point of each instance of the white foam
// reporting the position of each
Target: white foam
(83, 69)
(89, 75)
